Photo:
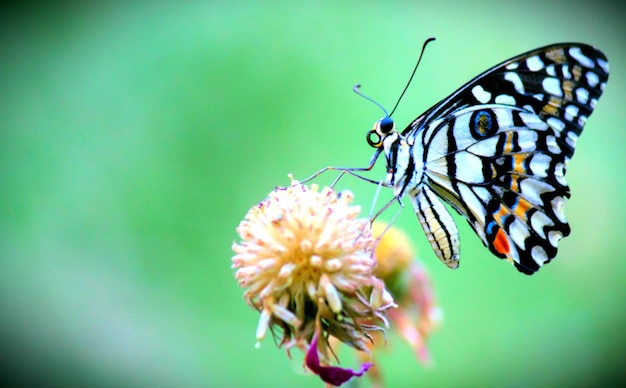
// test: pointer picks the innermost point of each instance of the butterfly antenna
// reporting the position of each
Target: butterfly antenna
(356, 90)
(413, 73)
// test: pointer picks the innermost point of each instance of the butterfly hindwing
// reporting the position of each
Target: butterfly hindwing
(509, 186)
(498, 148)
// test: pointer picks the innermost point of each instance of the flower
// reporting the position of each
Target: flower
(305, 262)
(408, 281)
(406, 277)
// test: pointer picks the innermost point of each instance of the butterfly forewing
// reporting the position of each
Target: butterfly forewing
(497, 150)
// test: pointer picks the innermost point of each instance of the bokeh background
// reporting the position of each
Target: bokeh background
(134, 138)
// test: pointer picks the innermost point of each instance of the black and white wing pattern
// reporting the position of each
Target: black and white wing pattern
(497, 151)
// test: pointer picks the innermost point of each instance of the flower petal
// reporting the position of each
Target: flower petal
(331, 374)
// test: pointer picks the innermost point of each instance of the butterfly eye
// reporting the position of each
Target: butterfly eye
(386, 125)
(374, 139)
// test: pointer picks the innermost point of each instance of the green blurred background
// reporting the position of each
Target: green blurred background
(136, 136)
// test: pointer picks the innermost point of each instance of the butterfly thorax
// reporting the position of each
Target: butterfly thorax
(403, 173)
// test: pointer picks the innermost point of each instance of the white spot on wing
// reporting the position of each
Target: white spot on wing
(529, 108)
(556, 124)
(553, 147)
(534, 63)
(559, 173)
(604, 65)
(558, 205)
(571, 139)
(571, 111)
(552, 86)
(532, 121)
(527, 140)
(518, 232)
(538, 221)
(566, 72)
(505, 99)
(481, 94)
(580, 57)
(515, 80)
(469, 167)
(482, 193)
(582, 95)
(539, 165)
(554, 236)
(539, 255)
(592, 78)
(532, 189)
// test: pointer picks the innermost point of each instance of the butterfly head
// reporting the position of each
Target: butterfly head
(386, 139)
(383, 128)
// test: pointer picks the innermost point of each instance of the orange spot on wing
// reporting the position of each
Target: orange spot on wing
(515, 183)
(557, 55)
(568, 88)
(521, 208)
(552, 107)
(494, 172)
(501, 243)
(577, 72)
(518, 164)
(508, 143)
(502, 212)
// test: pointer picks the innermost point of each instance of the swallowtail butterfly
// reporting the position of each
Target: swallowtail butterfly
(497, 150)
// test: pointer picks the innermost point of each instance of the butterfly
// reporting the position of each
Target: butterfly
(496, 150)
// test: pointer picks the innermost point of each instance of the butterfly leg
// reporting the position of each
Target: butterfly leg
(385, 207)
(391, 222)
(348, 170)
(438, 226)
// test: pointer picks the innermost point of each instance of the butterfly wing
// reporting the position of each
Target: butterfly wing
(497, 149)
